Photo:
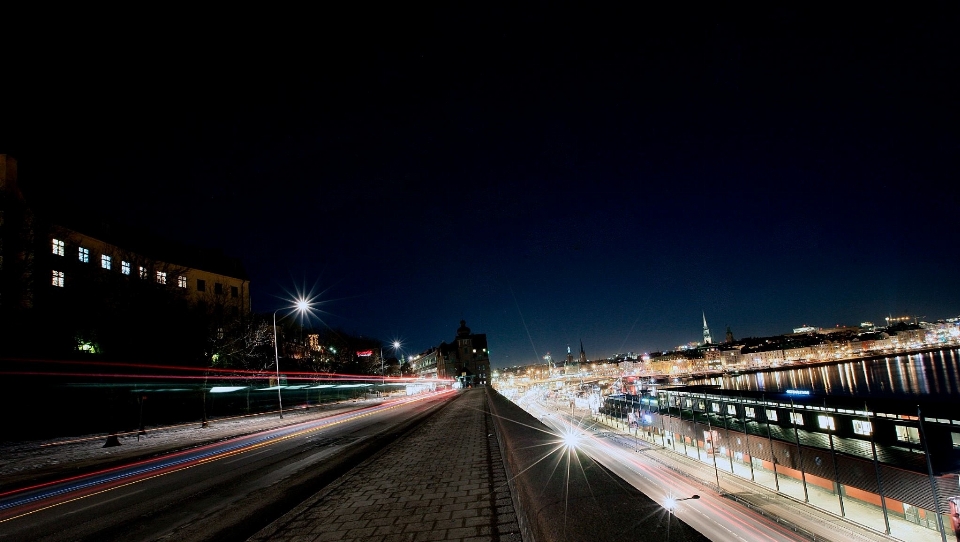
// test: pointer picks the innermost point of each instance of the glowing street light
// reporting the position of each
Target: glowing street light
(396, 347)
(671, 502)
(383, 374)
(302, 306)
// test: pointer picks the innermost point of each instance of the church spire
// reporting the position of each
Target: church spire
(706, 331)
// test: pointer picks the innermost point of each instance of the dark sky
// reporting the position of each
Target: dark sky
(550, 173)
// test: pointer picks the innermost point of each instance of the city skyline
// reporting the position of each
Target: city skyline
(546, 175)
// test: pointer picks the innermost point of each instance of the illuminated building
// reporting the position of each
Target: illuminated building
(706, 331)
(54, 262)
(900, 456)
(466, 359)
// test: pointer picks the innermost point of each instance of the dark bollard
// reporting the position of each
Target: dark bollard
(112, 440)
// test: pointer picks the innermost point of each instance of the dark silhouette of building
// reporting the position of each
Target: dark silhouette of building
(466, 359)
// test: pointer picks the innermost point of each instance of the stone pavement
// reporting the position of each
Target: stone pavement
(444, 481)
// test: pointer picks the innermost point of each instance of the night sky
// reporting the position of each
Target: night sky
(550, 173)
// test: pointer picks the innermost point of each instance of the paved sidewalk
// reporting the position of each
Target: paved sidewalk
(444, 481)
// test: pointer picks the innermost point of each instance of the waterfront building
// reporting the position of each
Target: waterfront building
(899, 455)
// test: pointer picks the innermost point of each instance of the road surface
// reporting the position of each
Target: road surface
(223, 491)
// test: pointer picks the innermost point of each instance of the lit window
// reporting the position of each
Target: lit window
(84, 254)
(161, 277)
(105, 261)
(143, 272)
(956, 439)
(732, 410)
(715, 407)
(750, 412)
(182, 281)
(826, 422)
(796, 418)
(772, 415)
(908, 434)
(861, 427)
(125, 267)
(58, 247)
(58, 279)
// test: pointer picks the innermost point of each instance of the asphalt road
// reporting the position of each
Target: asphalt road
(717, 518)
(224, 491)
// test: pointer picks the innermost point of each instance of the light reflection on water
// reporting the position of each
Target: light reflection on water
(930, 374)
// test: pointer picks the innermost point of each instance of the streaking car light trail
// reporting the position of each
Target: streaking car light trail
(736, 520)
(24, 501)
(670, 479)
(206, 372)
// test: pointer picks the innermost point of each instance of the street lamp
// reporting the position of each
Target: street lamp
(396, 347)
(671, 503)
(383, 374)
(301, 306)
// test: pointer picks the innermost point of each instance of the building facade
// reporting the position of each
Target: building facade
(59, 265)
(466, 359)
(901, 456)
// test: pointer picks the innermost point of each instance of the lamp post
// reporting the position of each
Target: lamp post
(671, 503)
(301, 306)
(383, 374)
(396, 347)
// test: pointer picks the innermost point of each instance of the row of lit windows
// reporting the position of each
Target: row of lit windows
(905, 433)
(860, 427)
(160, 276)
(106, 262)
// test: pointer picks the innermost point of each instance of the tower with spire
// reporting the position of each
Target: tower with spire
(706, 331)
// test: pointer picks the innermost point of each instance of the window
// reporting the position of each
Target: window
(143, 272)
(201, 285)
(105, 261)
(796, 418)
(861, 427)
(908, 434)
(58, 279)
(956, 439)
(715, 407)
(161, 277)
(217, 288)
(732, 410)
(125, 267)
(84, 254)
(826, 422)
(182, 281)
(750, 412)
(772, 415)
(58, 247)
(234, 292)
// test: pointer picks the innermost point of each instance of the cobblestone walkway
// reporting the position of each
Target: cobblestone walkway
(444, 481)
